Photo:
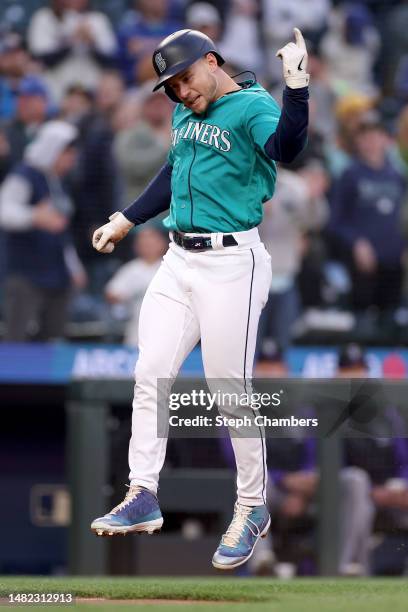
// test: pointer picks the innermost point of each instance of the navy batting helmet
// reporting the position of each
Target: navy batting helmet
(177, 52)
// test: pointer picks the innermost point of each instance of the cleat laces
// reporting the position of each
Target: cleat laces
(129, 497)
(239, 521)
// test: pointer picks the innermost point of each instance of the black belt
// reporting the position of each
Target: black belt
(201, 243)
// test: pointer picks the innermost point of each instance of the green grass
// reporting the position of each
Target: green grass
(231, 594)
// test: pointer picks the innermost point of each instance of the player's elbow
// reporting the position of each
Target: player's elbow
(289, 154)
(285, 152)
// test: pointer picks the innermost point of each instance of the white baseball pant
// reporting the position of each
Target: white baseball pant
(216, 295)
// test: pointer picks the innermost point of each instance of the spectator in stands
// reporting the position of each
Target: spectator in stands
(310, 278)
(4, 156)
(350, 48)
(109, 94)
(41, 262)
(77, 105)
(32, 110)
(270, 361)
(128, 112)
(141, 149)
(130, 282)
(298, 205)
(381, 450)
(240, 43)
(322, 122)
(348, 111)
(365, 222)
(400, 153)
(139, 33)
(73, 43)
(279, 17)
(95, 182)
(14, 65)
(394, 45)
(205, 18)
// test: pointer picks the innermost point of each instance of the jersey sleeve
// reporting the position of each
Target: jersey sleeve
(290, 136)
(153, 200)
(262, 117)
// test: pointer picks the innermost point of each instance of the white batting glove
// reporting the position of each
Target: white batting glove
(294, 58)
(105, 237)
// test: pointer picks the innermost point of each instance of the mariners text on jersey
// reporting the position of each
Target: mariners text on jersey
(221, 174)
(204, 133)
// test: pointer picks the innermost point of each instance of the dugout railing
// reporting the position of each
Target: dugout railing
(88, 416)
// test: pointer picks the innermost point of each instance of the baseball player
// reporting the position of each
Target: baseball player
(214, 279)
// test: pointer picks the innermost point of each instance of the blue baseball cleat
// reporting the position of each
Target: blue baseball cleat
(139, 512)
(237, 544)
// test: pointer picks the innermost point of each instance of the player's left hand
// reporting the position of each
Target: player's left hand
(294, 58)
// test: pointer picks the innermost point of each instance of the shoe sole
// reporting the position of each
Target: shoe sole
(231, 567)
(150, 527)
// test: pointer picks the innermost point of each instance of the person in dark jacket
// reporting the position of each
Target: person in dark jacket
(365, 220)
(32, 103)
(95, 183)
(40, 259)
(139, 33)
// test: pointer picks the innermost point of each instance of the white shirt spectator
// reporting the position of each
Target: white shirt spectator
(240, 43)
(350, 65)
(279, 19)
(128, 286)
(49, 34)
(288, 215)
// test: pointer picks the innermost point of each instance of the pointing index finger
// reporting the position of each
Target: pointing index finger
(300, 41)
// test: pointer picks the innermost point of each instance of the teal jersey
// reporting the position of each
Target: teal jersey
(221, 174)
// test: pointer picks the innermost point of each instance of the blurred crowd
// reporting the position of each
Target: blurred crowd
(82, 134)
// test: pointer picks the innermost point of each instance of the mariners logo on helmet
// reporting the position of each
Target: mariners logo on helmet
(160, 62)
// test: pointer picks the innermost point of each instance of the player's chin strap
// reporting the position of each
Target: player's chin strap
(248, 82)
